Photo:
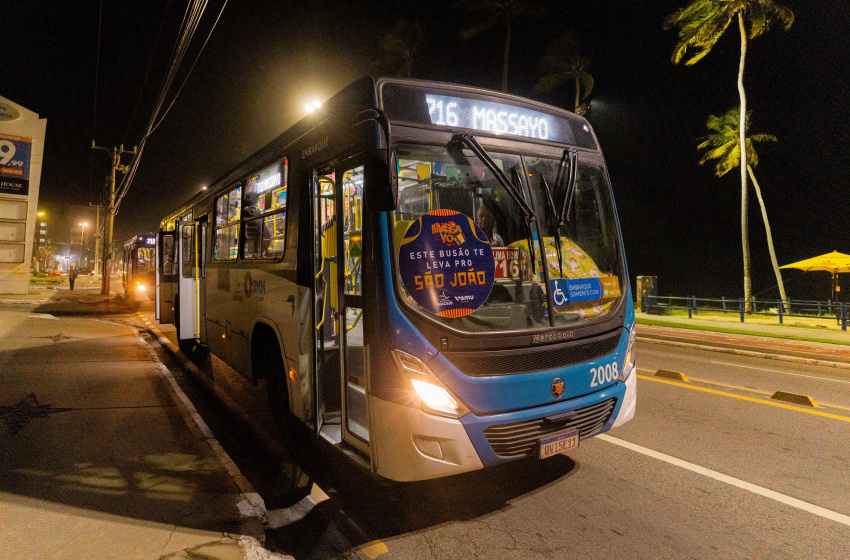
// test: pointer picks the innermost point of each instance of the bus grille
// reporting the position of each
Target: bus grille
(520, 439)
(524, 360)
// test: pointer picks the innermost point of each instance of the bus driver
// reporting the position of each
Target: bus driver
(486, 220)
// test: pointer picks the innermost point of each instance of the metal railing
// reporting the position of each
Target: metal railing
(774, 308)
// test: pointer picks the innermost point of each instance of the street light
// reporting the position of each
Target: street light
(312, 106)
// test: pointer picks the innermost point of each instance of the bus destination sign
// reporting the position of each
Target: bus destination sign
(490, 116)
(487, 112)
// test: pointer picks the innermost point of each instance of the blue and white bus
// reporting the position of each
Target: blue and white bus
(429, 276)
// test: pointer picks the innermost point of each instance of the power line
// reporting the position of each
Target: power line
(147, 71)
(191, 20)
(97, 69)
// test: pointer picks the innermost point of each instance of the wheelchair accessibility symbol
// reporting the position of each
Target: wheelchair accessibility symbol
(559, 293)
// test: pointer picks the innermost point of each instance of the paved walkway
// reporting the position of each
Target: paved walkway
(99, 457)
(813, 340)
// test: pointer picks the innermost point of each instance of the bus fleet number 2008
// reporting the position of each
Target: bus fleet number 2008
(604, 374)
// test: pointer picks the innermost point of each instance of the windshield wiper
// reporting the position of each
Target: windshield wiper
(513, 188)
(570, 172)
(551, 201)
(471, 143)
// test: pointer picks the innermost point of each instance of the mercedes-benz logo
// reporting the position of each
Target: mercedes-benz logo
(557, 387)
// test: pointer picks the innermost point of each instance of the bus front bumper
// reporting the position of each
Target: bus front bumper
(410, 444)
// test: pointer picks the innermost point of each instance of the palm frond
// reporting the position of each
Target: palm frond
(763, 138)
(480, 27)
(549, 82)
(587, 82)
(723, 144)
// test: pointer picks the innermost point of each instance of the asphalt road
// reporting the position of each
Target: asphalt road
(709, 468)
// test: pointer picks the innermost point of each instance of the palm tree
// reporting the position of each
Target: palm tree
(701, 24)
(563, 63)
(43, 254)
(723, 145)
(399, 47)
(498, 11)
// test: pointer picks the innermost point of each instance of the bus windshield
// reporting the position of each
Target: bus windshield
(470, 257)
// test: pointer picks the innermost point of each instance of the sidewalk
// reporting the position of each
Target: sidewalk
(808, 340)
(99, 457)
(85, 299)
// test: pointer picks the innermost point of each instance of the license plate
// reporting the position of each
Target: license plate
(557, 444)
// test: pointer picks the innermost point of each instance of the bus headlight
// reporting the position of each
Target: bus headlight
(142, 288)
(436, 398)
(629, 362)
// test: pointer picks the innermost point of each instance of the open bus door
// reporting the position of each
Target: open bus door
(186, 307)
(340, 351)
(166, 277)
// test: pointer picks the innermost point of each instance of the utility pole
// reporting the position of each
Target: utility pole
(110, 212)
(97, 269)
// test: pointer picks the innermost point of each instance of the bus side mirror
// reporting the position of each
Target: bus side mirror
(381, 180)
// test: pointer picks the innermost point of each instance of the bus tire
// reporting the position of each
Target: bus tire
(278, 390)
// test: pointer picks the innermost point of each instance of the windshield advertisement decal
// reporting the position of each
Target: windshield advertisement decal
(446, 263)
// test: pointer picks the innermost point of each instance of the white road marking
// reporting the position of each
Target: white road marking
(748, 486)
(782, 372)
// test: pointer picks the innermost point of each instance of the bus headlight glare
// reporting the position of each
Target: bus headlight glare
(629, 362)
(434, 397)
(142, 288)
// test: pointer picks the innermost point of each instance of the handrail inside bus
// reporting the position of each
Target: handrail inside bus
(354, 324)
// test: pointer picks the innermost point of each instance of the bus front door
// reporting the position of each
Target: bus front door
(187, 282)
(166, 277)
(340, 351)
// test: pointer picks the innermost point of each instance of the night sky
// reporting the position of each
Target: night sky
(266, 59)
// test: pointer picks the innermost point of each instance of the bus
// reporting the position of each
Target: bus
(138, 270)
(428, 277)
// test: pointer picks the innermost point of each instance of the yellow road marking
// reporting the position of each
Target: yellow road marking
(373, 549)
(743, 398)
(733, 386)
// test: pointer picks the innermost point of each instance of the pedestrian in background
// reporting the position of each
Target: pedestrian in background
(72, 275)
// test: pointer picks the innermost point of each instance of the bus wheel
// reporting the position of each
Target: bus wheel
(275, 369)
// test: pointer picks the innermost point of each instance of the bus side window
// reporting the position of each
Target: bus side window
(264, 213)
(187, 250)
(228, 210)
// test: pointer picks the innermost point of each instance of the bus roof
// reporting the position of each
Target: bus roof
(425, 104)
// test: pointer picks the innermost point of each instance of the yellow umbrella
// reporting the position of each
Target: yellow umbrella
(833, 262)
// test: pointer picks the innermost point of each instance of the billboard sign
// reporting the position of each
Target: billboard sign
(15, 155)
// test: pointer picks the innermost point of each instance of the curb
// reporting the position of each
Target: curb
(750, 353)
(252, 508)
(795, 398)
(675, 375)
(270, 444)
(269, 519)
